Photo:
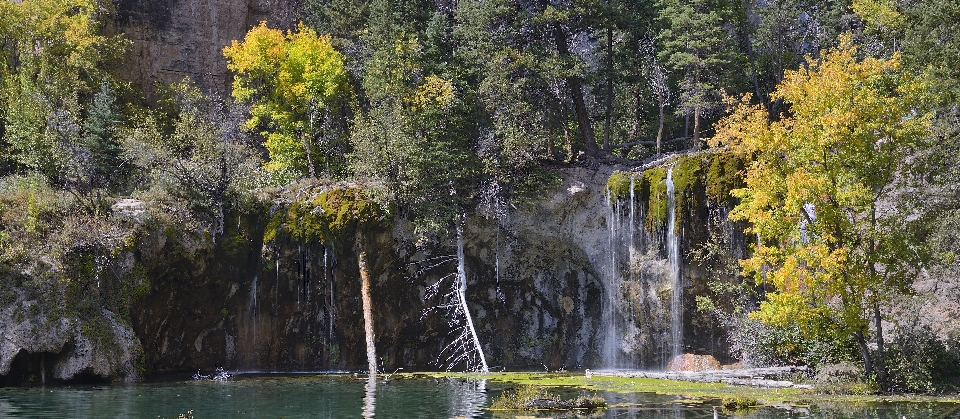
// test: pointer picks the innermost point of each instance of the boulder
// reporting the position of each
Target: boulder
(693, 363)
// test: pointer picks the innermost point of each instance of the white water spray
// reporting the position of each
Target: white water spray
(673, 257)
(611, 287)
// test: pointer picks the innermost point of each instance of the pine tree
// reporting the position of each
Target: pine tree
(100, 138)
(697, 45)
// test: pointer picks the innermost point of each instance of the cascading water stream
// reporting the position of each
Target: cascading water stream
(608, 315)
(673, 257)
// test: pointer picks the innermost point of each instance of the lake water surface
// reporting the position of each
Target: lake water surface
(346, 396)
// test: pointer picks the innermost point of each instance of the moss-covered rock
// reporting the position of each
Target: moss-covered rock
(328, 214)
(699, 180)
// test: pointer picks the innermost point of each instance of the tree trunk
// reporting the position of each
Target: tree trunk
(696, 128)
(660, 128)
(367, 307)
(609, 98)
(864, 353)
(576, 91)
(881, 368)
(306, 148)
(462, 296)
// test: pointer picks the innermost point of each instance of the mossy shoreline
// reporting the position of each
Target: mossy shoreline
(684, 389)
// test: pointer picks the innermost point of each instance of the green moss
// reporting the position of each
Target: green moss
(619, 185)
(738, 403)
(696, 180)
(724, 174)
(687, 186)
(656, 196)
(688, 389)
(526, 397)
(328, 215)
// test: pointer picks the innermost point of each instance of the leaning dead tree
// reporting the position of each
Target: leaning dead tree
(450, 294)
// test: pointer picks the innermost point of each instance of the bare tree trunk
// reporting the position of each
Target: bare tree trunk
(367, 307)
(660, 128)
(881, 368)
(462, 293)
(696, 128)
(576, 91)
(306, 148)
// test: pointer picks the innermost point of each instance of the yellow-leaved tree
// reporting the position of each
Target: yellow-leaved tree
(820, 191)
(293, 81)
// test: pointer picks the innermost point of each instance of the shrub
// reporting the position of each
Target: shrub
(843, 378)
(918, 361)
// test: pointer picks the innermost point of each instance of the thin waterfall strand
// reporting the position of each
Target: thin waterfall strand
(673, 255)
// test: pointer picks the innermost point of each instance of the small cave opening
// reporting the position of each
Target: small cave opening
(36, 369)
(29, 369)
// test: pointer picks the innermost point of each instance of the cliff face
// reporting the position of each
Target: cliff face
(558, 282)
(173, 39)
(533, 293)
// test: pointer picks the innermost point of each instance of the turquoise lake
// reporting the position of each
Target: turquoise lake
(346, 396)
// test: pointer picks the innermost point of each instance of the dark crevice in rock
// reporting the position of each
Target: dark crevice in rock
(154, 13)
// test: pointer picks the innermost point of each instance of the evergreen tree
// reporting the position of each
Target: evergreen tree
(698, 46)
(100, 140)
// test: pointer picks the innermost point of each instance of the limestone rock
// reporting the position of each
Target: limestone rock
(173, 39)
(693, 363)
(36, 347)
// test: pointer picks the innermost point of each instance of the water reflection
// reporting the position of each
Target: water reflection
(467, 398)
(370, 397)
(349, 397)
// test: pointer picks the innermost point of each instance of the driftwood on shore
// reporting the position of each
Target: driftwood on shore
(755, 377)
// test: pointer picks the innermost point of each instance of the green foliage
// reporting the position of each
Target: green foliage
(100, 139)
(52, 56)
(696, 45)
(203, 167)
(931, 43)
(843, 378)
(412, 145)
(918, 361)
(761, 345)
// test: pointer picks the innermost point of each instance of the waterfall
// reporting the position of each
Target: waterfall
(673, 256)
(329, 281)
(610, 287)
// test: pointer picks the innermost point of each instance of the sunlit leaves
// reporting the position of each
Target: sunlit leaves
(818, 189)
(291, 80)
(52, 55)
